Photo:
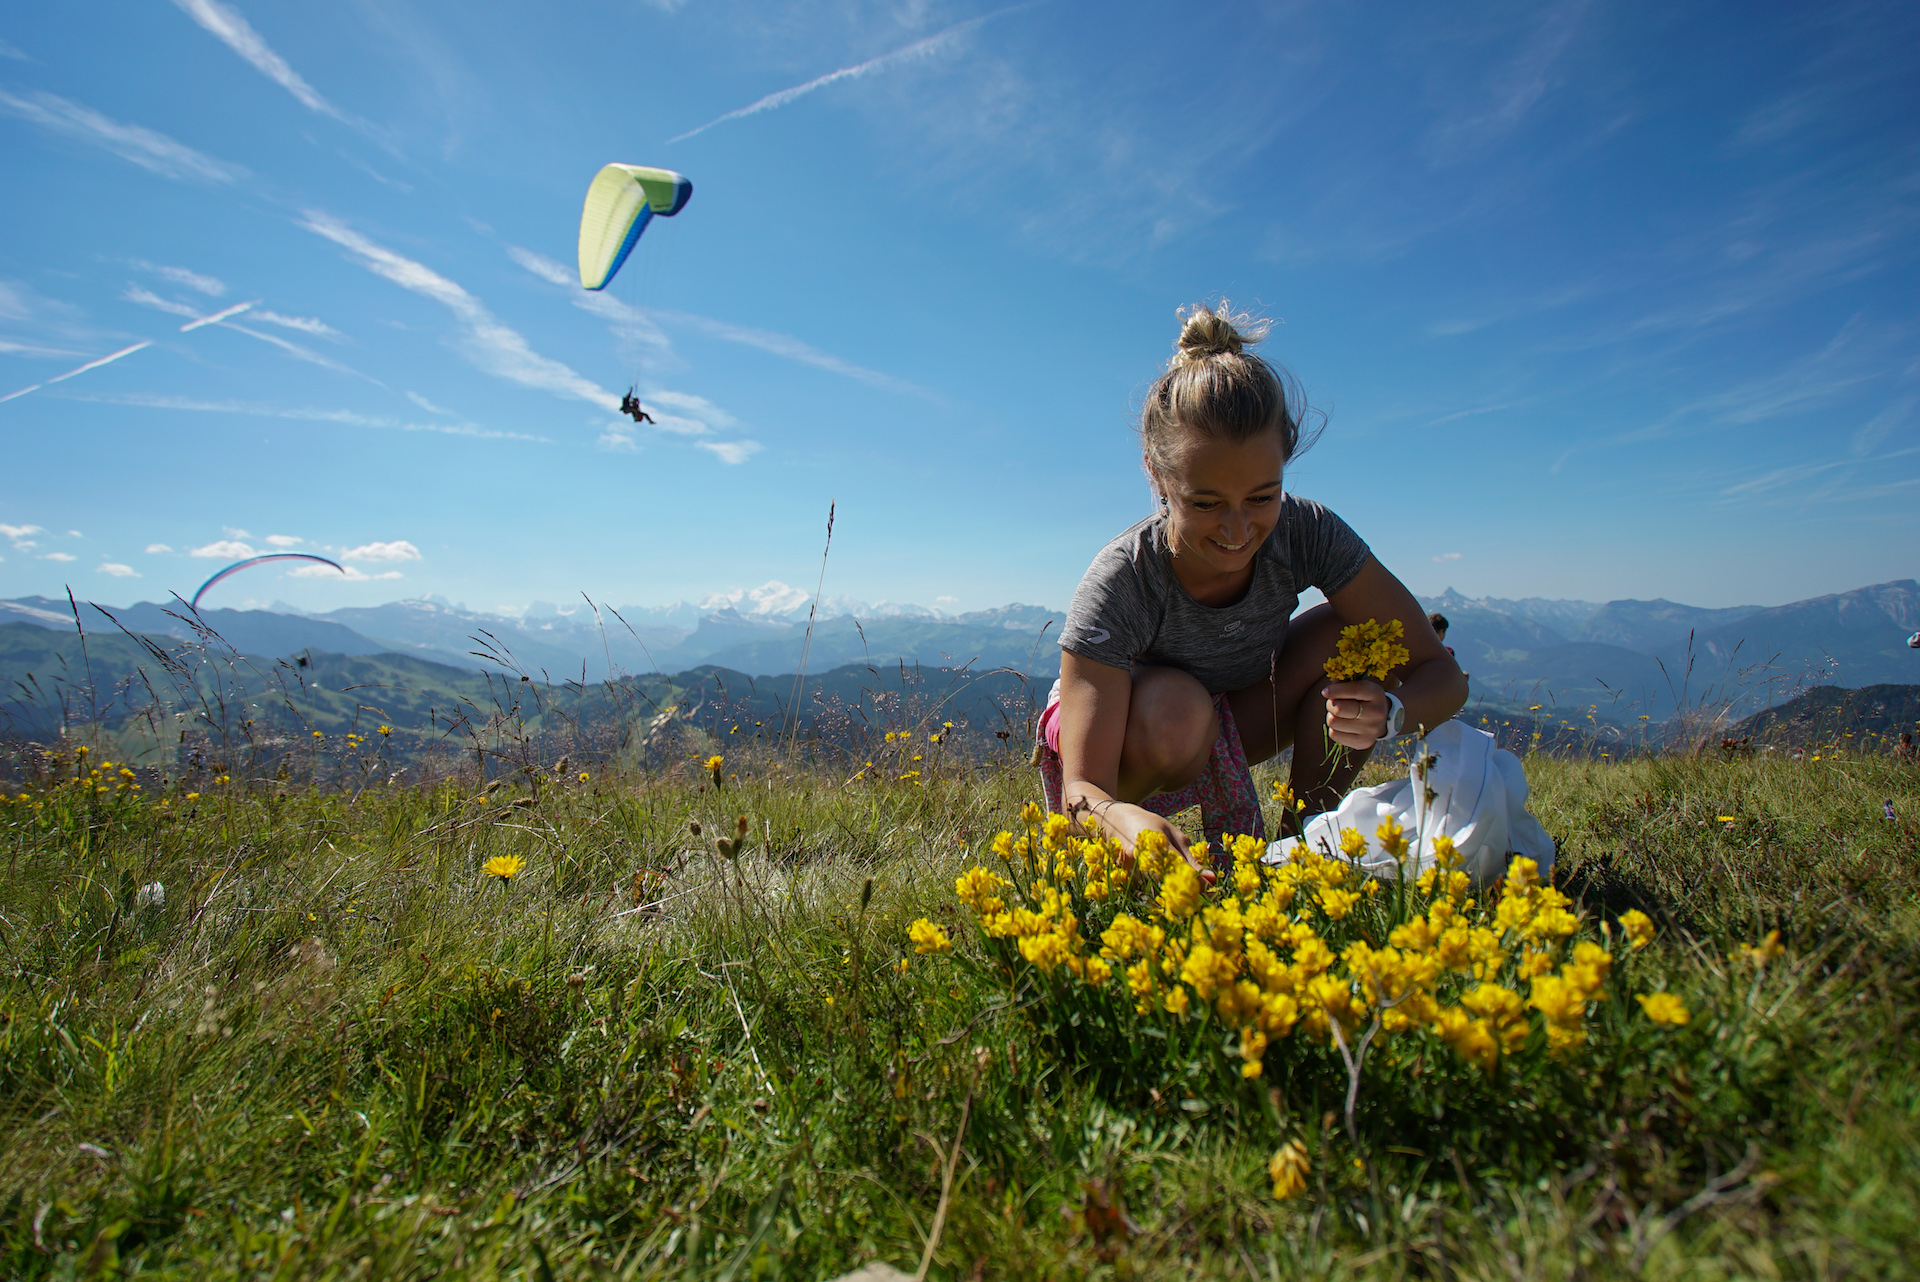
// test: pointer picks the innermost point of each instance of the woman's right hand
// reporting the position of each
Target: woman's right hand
(1125, 822)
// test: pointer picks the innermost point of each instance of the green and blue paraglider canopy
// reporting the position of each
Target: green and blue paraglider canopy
(621, 201)
(252, 561)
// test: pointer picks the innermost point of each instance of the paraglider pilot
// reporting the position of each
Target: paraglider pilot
(630, 406)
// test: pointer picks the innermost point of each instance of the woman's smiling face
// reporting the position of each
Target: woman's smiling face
(1223, 500)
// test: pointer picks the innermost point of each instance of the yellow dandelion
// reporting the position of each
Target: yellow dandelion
(505, 867)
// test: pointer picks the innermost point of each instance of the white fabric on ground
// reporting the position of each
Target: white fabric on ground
(1479, 800)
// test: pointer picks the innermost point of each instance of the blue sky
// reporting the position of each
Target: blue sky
(1599, 300)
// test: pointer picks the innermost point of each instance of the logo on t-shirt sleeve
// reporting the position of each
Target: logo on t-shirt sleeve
(1097, 636)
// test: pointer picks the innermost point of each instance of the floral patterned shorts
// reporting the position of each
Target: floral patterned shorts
(1224, 791)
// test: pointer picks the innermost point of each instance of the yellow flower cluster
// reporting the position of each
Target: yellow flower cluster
(928, 938)
(1368, 649)
(1272, 949)
(1288, 1170)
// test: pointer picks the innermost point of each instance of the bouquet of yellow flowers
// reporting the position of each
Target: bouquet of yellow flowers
(1369, 649)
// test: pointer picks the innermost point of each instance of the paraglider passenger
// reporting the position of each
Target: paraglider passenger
(630, 406)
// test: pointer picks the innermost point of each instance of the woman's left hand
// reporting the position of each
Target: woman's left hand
(1356, 712)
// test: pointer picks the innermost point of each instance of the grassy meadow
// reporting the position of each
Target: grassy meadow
(269, 1029)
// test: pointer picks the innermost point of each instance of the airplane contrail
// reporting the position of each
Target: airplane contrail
(111, 357)
(94, 364)
(218, 316)
(918, 49)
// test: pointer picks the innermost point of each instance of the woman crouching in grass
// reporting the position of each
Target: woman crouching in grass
(1182, 660)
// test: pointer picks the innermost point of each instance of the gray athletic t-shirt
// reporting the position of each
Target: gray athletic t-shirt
(1131, 609)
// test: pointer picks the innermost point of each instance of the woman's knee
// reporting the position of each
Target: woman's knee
(1170, 722)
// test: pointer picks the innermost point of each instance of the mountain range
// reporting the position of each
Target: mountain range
(1626, 659)
(1617, 660)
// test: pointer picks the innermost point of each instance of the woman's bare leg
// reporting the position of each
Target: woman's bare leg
(1286, 710)
(1171, 728)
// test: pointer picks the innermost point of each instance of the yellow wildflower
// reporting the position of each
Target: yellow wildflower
(1179, 891)
(1471, 1039)
(1393, 838)
(505, 867)
(1664, 1008)
(1638, 927)
(1208, 971)
(980, 890)
(1288, 1170)
(1763, 952)
(929, 938)
(1368, 649)
(1337, 903)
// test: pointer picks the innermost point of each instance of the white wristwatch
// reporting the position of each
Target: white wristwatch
(1396, 715)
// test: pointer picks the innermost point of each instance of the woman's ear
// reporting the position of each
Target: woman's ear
(1154, 484)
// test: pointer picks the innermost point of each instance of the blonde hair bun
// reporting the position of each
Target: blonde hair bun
(1207, 332)
(1216, 389)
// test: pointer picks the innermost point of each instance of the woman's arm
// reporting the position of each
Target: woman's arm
(1095, 699)
(1430, 684)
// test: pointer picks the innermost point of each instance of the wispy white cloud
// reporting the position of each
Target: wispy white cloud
(157, 549)
(785, 345)
(8, 51)
(285, 540)
(298, 352)
(429, 406)
(614, 438)
(10, 348)
(1514, 91)
(932, 45)
(398, 550)
(225, 22)
(1470, 413)
(354, 574)
(731, 451)
(146, 148)
(1876, 429)
(547, 269)
(18, 532)
(211, 286)
(350, 418)
(117, 570)
(147, 298)
(59, 556)
(628, 324)
(698, 406)
(490, 345)
(1448, 556)
(636, 326)
(223, 549)
(305, 324)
